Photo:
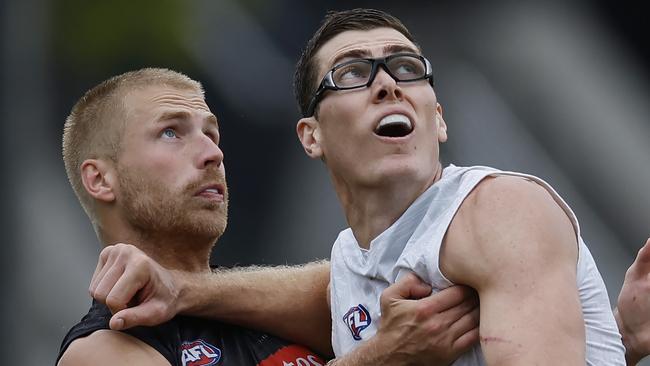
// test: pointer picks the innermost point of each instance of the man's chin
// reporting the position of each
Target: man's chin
(209, 223)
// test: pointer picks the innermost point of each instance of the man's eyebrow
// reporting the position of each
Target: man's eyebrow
(389, 49)
(171, 115)
(397, 48)
(350, 54)
(184, 115)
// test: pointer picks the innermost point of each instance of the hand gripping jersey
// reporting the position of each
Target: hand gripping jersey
(412, 244)
(188, 341)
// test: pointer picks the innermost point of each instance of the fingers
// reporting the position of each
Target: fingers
(466, 341)
(409, 286)
(102, 267)
(452, 297)
(465, 323)
(146, 314)
(118, 276)
(122, 291)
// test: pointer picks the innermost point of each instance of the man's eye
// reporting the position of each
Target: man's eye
(406, 68)
(169, 133)
(350, 72)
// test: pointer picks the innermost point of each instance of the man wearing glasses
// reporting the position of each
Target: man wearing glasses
(371, 115)
(376, 123)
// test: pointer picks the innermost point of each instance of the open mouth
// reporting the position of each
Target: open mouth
(211, 191)
(394, 125)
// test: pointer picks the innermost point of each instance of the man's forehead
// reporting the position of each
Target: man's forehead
(372, 42)
(159, 97)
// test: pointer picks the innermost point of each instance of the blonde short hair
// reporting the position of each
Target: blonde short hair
(94, 128)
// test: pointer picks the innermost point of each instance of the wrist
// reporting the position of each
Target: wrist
(184, 302)
(632, 355)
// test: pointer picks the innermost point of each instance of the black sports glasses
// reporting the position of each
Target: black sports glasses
(359, 73)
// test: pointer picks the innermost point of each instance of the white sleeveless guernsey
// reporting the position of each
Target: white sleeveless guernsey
(412, 244)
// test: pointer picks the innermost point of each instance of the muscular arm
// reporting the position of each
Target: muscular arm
(290, 302)
(512, 243)
(433, 331)
(111, 348)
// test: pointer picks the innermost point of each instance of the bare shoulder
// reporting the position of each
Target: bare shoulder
(108, 347)
(506, 223)
(504, 192)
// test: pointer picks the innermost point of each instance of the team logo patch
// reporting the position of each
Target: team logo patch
(199, 353)
(357, 319)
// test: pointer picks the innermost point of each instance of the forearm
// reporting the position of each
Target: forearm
(290, 302)
(369, 353)
(380, 350)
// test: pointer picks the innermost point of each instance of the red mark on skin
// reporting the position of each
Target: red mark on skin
(493, 340)
(488, 339)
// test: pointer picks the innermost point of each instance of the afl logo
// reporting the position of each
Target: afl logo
(199, 353)
(357, 319)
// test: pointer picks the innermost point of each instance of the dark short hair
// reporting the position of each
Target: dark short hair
(305, 78)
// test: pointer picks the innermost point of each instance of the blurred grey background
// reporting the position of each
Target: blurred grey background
(558, 89)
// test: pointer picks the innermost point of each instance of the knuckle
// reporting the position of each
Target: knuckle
(97, 295)
(106, 252)
(409, 278)
(158, 311)
(435, 328)
(120, 246)
(423, 312)
(113, 301)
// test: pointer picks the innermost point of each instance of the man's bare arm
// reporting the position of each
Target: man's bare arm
(290, 302)
(447, 321)
(111, 348)
(633, 309)
(514, 245)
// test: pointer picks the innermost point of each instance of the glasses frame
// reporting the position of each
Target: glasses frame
(327, 83)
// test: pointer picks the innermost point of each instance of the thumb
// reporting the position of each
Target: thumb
(643, 256)
(145, 314)
(644, 252)
(641, 265)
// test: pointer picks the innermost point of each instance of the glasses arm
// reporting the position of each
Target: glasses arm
(326, 84)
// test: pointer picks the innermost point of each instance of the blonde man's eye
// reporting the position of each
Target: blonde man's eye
(169, 133)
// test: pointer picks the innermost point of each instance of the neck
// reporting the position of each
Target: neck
(190, 253)
(370, 210)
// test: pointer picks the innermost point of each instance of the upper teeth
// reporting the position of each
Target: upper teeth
(212, 190)
(394, 118)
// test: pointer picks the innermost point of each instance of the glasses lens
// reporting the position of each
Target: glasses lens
(352, 74)
(406, 67)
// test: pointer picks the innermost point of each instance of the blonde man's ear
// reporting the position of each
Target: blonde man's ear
(99, 179)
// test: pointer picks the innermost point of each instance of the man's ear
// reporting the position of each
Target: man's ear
(309, 133)
(441, 125)
(99, 179)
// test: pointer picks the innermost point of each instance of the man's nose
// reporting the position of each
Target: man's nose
(384, 87)
(209, 153)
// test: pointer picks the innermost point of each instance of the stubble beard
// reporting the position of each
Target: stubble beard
(154, 210)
